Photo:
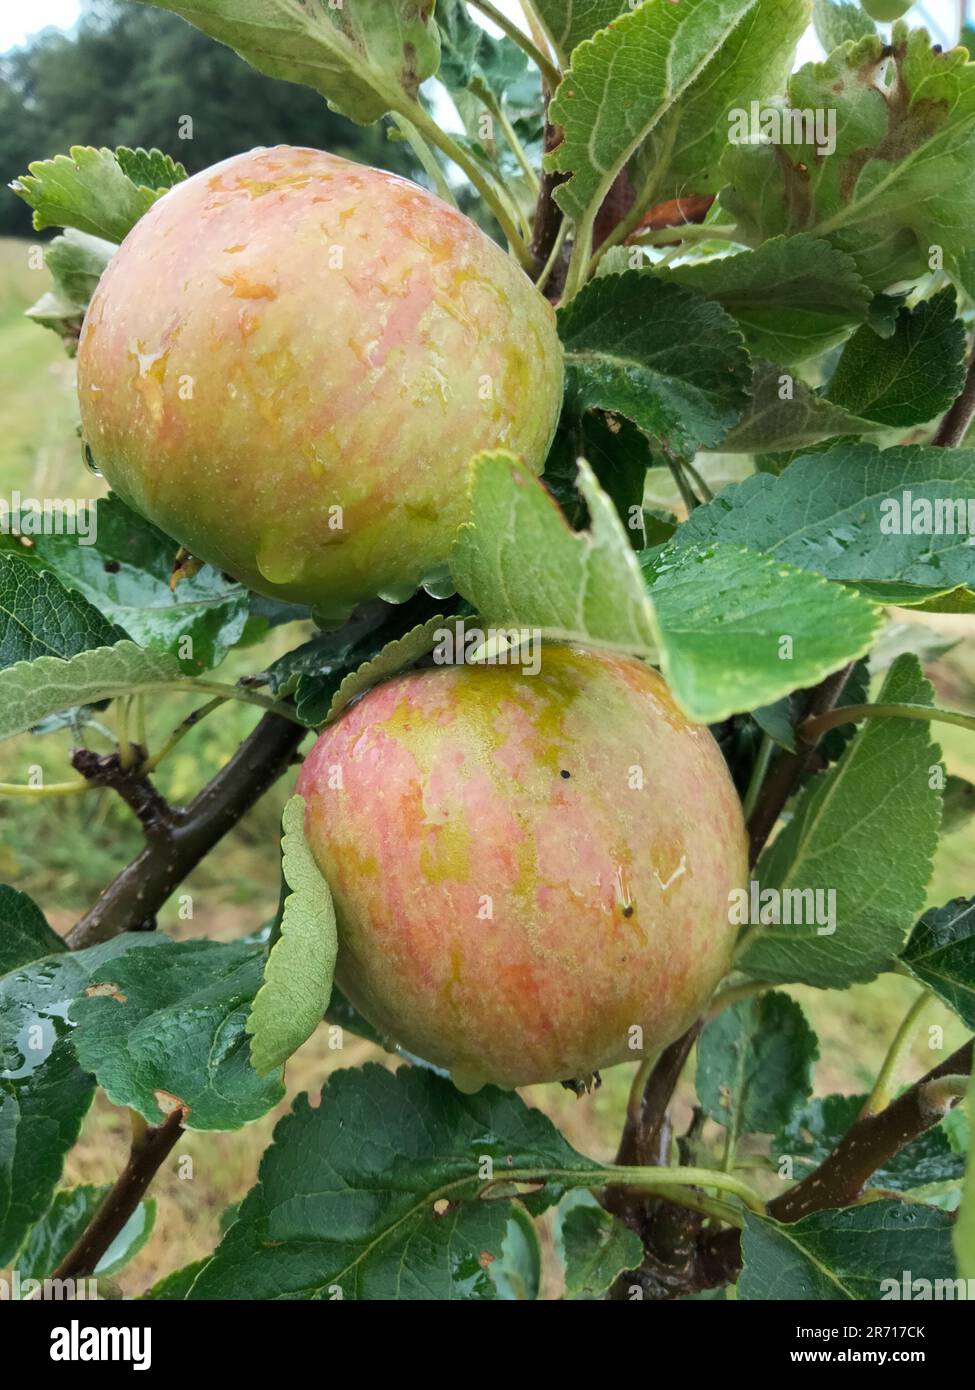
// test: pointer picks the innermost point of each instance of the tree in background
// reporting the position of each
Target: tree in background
(129, 75)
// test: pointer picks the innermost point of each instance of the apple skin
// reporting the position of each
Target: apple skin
(886, 10)
(288, 332)
(610, 903)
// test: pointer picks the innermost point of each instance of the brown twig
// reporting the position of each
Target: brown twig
(645, 1142)
(840, 1180)
(615, 206)
(640, 1133)
(868, 1144)
(955, 425)
(789, 768)
(548, 218)
(135, 789)
(187, 836)
(149, 1151)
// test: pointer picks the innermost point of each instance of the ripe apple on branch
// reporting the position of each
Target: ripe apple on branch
(609, 382)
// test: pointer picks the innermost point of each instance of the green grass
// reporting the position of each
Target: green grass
(64, 851)
(40, 451)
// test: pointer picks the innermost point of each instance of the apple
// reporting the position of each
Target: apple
(531, 872)
(291, 360)
(885, 10)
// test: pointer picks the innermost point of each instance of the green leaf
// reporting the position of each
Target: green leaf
(621, 83)
(619, 455)
(469, 53)
(330, 653)
(866, 831)
(941, 954)
(793, 296)
(125, 572)
(840, 22)
(776, 720)
(899, 180)
(86, 189)
(773, 422)
(814, 1131)
(670, 361)
(31, 690)
(517, 1274)
(755, 1064)
(65, 1222)
(683, 152)
(395, 656)
(170, 1032)
(175, 1287)
(568, 22)
(965, 1227)
(24, 933)
(596, 1247)
(365, 58)
(39, 617)
(722, 613)
(44, 1094)
(41, 1110)
(521, 566)
(150, 168)
(379, 1192)
(315, 670)
(858, 1253)
(715, 616)
(842, 514)
(291, 1002)
(910, 377)
(76, 262)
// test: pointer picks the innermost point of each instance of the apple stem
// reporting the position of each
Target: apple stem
(426, 157)
(880, 1097)
(813, 728)
(428, 127)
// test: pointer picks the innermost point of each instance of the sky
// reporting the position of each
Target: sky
(20, 18)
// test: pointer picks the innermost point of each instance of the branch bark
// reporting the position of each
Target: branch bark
(186, 836)
(132, 785)
(955, 425)
(548, 217)
(638, 1141)
(667, 1230)
(870, 1143)
(149, 1151)
(841, 1178)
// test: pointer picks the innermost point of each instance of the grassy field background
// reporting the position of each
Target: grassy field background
(64, 851)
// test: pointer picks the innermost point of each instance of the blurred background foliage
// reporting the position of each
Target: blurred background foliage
(127, 76)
